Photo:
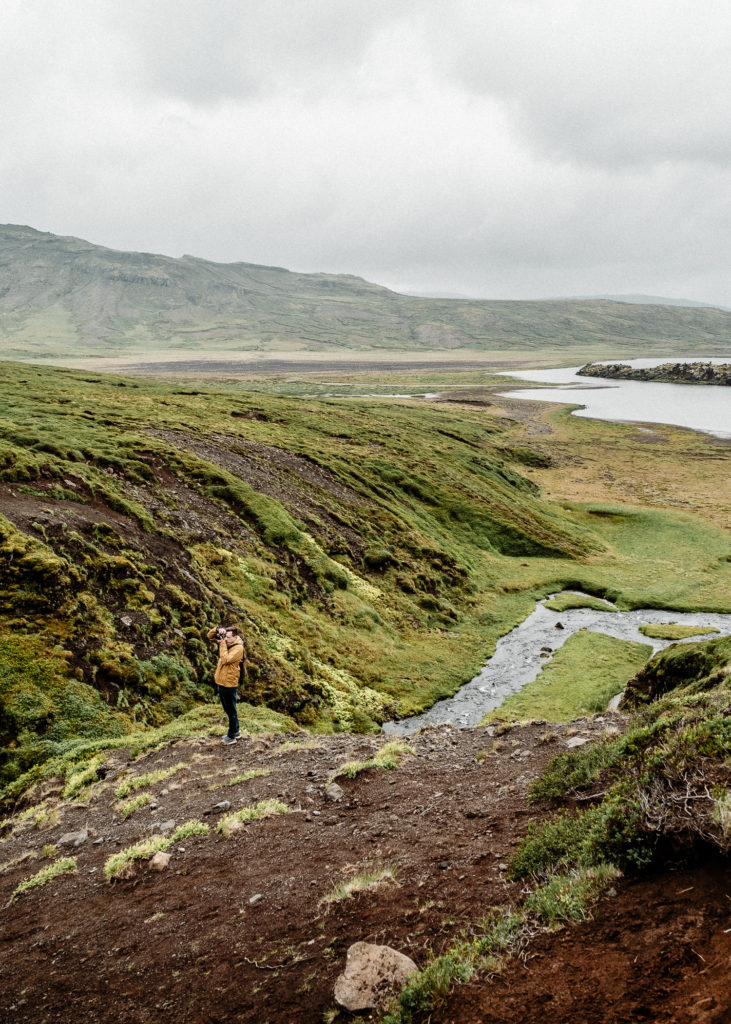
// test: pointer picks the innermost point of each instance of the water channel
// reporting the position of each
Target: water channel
(703, 407)
(518, 658)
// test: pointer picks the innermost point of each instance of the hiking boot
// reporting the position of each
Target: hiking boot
(228, 740)
(237, 736)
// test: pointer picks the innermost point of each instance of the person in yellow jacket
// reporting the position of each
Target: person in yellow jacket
(226, 676)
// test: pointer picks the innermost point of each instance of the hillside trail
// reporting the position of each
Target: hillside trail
(245, 928)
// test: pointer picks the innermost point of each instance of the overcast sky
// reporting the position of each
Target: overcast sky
(495, 148)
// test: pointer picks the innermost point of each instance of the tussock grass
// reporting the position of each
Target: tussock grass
(369, 878)
(59, 867)
(230, 823)
(128, 807)
(288, 745)
(569, 897)
(389, 756)
(76, 781)
(498, 937)
(142, 781)
(251, 773)
(119, 863)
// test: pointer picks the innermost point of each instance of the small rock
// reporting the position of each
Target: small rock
(502, 866)
(316, 814)
(164, 826)
(371, 974)
(97, 842)
(73, 838)
(224, 805)
(559, 625)
(334, 793)
(255, 898)
(577, 741)
(160, 861)
(444, 864)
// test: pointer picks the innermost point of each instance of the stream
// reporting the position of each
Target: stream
(520, 655)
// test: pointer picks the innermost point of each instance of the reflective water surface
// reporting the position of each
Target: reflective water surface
(704, 407)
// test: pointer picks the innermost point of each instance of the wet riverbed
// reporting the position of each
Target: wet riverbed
(517, 659)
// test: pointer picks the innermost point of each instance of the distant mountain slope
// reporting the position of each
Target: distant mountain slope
(61, 296)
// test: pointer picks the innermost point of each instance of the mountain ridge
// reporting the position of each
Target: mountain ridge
(62, 295)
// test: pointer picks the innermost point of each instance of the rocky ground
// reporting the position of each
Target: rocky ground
(674, 373)
(245, 927)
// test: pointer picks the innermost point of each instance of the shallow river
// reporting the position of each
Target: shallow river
(517, 659)
(704, 407)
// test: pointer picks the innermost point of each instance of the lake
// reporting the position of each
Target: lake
(703, 407)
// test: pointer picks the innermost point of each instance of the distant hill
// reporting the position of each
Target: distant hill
(63, 296)
(658, 300)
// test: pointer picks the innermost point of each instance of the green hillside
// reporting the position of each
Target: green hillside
(372, 553)
(63, 297)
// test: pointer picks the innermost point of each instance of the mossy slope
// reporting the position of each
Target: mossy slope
(372, 554)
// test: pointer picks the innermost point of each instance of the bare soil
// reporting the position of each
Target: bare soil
(239, 929)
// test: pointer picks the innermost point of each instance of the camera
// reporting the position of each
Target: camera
(220, 633)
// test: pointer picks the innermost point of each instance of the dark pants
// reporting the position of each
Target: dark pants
(227, 695)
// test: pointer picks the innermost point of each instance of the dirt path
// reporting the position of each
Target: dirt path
(238, 928)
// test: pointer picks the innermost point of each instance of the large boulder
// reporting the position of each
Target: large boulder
(371, 974)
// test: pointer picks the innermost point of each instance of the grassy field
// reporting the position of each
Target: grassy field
(580, 679)
(372, 550)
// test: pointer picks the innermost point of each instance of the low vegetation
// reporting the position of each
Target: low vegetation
(135, 782)
(232, 822)
(128, 807)
(389, 756)
(61, 866)
(366, 879)
(664, 780)
(119, 864)
(580, 679)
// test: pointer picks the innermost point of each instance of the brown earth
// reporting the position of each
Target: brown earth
(238, 928)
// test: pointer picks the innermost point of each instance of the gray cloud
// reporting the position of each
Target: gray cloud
(506, 149)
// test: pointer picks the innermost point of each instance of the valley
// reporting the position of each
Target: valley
(374, 551)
